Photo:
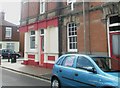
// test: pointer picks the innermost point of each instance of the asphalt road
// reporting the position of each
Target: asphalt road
(17, 80)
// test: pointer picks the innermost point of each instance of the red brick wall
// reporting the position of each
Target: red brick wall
(51, 6)
(33, 9)
(96, 32)
(24, 11)
(15, 34)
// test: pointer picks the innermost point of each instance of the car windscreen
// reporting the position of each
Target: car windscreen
(104, 63)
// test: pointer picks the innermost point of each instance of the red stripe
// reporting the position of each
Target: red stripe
(53, 22)
(52, 58)
(31, 56)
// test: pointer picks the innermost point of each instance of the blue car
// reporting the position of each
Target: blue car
(84, 71)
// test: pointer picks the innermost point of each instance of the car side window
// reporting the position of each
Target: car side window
(83, 62)
(68, 61)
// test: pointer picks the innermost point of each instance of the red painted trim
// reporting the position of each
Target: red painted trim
(111, 45)
(32, 26)
(115, 33)
(53, 22)
(47, 23)
(31, 56)
(115, 59)
(52, 58)
(23, 29)
(40, 24)
(31, 62)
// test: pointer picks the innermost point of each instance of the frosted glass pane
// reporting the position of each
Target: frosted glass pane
(116, 44)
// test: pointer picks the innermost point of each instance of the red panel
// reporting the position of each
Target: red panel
(23, 29)
(31, 62)
(52, 58)
(31, 56)
(49, 22)
(53, 22)
(42, 24)
(33, 26)
(42, 59)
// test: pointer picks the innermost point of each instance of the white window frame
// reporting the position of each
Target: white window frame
(30, 40)
(10, 46)
(42, 35)
(71, 36)
(42, 6)
(9, 30)
(71, 3)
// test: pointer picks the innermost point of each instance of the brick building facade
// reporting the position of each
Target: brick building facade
(9, 35)
(71, 27)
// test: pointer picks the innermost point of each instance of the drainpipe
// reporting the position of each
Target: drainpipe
(59, 30)
(84, 26)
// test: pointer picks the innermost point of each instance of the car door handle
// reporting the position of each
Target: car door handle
(76, 74)
(60, 70)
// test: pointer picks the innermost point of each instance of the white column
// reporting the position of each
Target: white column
(26, 46)
(46, 43)
(37, 45)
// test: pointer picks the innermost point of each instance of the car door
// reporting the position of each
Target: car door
(83, 77)
(66, 71)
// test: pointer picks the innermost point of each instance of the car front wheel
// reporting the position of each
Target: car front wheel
(55, 83)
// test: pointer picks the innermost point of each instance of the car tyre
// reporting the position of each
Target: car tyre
(55, 83)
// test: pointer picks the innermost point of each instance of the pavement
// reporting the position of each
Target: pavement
(35, 71)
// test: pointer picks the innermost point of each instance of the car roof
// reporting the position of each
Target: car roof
(90, 55)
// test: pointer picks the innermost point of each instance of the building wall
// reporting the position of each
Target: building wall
(93, 41)
(93, 23)
(21, 40)
(33, 9)
(15, 34)
(24, 11)
(98, 38)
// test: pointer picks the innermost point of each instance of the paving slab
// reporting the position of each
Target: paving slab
(27, 69)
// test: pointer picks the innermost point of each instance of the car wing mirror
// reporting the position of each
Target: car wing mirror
(91, 69)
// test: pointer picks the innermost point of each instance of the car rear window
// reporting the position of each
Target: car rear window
(68, 61)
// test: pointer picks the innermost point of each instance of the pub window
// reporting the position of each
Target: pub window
(32, 40)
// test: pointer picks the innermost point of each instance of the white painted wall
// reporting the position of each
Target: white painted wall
(51, 44)
(51, 38)
(27, 46)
